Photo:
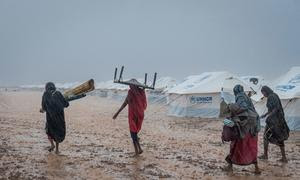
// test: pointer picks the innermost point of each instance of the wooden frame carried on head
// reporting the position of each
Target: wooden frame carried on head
(145, 86)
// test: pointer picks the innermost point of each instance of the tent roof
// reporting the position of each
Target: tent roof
(288, 85)
(257, 86)
(208, 82)
(110, 85)
(165, 83)
(161, 84)
(67, 85)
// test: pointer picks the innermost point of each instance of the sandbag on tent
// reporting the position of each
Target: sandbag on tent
(200, 95)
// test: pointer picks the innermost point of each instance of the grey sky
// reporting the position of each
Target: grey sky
(73, 40)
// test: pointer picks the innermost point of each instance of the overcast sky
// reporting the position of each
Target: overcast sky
(66, 41)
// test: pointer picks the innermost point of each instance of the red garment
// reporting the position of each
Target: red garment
(243, 151)
(137, 103)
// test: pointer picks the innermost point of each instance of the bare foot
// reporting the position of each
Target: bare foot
(283, 160)
(135, 155)
(141, 151)
(263, 157)
(228, 168)
(257, 171)
(51, 148)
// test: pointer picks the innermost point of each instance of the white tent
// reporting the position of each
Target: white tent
(111, 90)
(119, 91)
(102, 88)
(200, 95)
(255, 80)
(60, 86)
(288, 89)
(288, 85)
(165, 83)
(161, 86)
(256, 87)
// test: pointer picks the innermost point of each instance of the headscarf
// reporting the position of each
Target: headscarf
(242, 99)
(238, 89)
(267, 90)
(138, 96)
(137, 103)
(50, 87)
(244, 102)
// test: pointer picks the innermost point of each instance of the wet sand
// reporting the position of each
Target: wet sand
(97, 147)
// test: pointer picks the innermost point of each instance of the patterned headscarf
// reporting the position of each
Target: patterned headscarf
(242, 99)
(238, 89)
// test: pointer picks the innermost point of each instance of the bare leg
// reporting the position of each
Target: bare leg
(135, 140)
(257, 170)
(283, 154)
(266, 146)
(52, 145)
(228, 168)
(57, 151)
(135, 148)
(140, 151)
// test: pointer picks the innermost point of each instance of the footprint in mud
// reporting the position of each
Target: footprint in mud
(116, 150)
(162, 157)
(108, 162)
(216, 144)
(3, 150)
(120, 165)
(129, 155)
(150, 145)
(153, 170)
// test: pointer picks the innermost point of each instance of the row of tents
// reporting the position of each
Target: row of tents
(201, 95)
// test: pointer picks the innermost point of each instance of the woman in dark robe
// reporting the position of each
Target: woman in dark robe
(53, 103)
(137, 103)
(276, 130)
(243, 149)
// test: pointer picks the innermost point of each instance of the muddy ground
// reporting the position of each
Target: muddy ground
(97, 147)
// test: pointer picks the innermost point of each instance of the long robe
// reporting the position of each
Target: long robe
(54, 103)
(137, 103)
(276, 130)
(243, 150)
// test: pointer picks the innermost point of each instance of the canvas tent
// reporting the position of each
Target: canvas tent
(255, 80)
(200, 95)
(288, 89)
(165, 83)
(59, 86)
(256, 83)
(118, 91)
(112, 90)
(159, 94)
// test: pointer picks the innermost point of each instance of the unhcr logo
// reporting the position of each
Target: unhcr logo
(201, 99)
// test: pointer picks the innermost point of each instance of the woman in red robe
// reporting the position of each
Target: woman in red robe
(137, 104)
(243, 149)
